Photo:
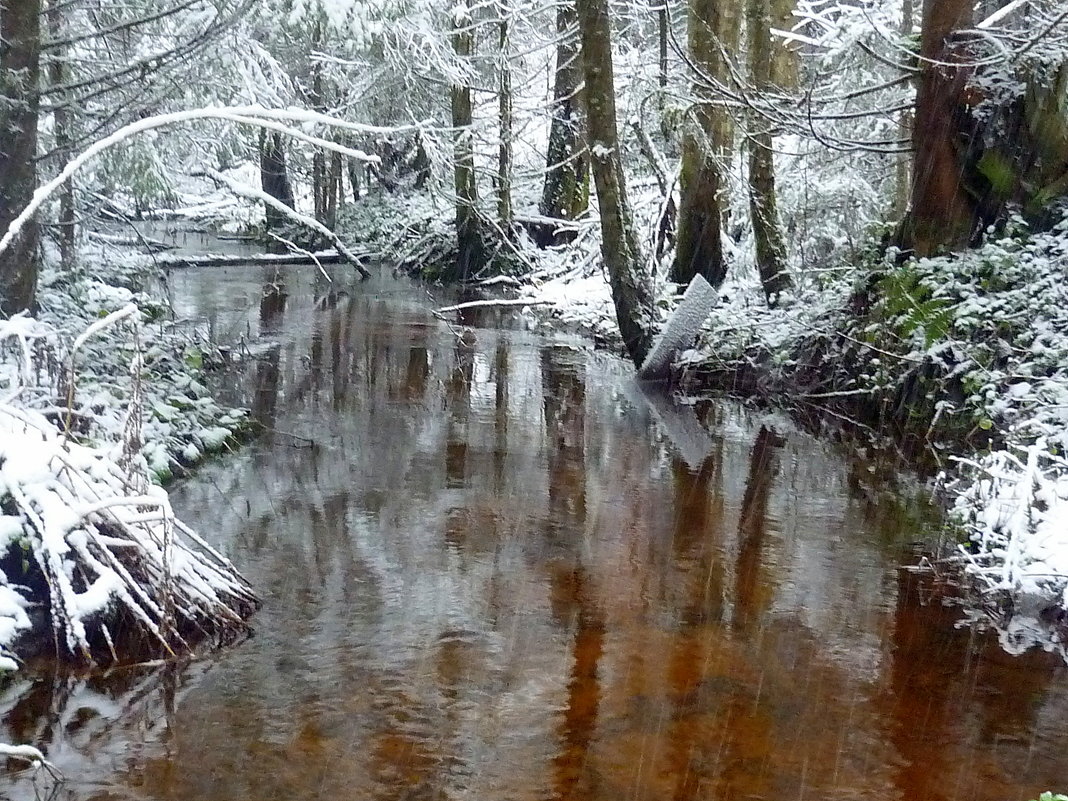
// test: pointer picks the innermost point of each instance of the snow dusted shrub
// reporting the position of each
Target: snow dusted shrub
(1003, 335)
(1016, 508)
(182, 423)
(91, 555)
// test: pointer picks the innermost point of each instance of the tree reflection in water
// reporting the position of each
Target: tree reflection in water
(493, 569)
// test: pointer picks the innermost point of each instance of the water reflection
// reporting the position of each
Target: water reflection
(494, 569)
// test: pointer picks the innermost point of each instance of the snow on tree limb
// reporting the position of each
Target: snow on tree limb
(251, 115)
(251, 193)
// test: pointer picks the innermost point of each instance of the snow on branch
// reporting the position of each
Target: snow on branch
(27, 753)
(1016, 511)
(251, 193)
(250, 115)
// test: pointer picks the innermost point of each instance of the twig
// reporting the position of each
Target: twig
(472, 304)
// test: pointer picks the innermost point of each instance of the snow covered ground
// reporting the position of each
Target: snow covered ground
(100, 396)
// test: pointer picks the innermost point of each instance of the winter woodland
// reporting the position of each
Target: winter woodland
(871, 196)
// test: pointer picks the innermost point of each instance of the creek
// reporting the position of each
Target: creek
(494, 568)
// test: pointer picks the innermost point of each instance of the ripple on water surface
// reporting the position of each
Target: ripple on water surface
(493, 569)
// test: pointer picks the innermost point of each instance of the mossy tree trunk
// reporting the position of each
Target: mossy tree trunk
(770, 249)
(713, 27)
(20, 69)
(63, 133)
(565, 193)
(631, 291)
(662, 35)
(470, 256)
(903, 164)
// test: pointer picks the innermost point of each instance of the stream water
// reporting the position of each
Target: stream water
(493, 568)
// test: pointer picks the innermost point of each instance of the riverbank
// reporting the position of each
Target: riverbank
(957, 359)
(106, 398)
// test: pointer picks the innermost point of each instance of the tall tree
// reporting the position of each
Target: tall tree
(631, 291)
(943, 211)
(63, 132)
(712, 28)
(20, 67)
(903, 164)
(470, 252)
(274, 177)
(767, 235)
(565, 192)
(504, 112)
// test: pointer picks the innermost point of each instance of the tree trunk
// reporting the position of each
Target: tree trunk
(62, 123)
(504, 156)
(767, 235)
(707, 144)
(274, 177)
(662, 63)
(943, 212)
(333, 192)
(631, 292)
(471, 255)
(902, 172)
(20, 66)
(565, 194)
(354, 168)
(785, 60)
(354, 180)
(320, 172)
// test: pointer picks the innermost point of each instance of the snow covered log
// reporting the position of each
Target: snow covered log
(681, 329)
(93, 562)
(100, 551)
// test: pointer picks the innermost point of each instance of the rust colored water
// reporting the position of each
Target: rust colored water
(493, 569)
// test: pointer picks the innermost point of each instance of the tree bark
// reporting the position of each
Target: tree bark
(20, 68)
(316, 101)
(767, 235)
(662, 64)
(333, 191)
(565, 194)
(707, 143)
(63, 131)
(274, 177)
(943, 213)
(504, 153)
(902, 171)
(631, 292)
(470, 256)
(785, 60)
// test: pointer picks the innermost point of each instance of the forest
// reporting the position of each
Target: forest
(852, 214)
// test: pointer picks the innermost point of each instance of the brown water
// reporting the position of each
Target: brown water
(493, 569)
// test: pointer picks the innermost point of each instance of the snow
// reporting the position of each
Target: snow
(81, 521)
(81, 509)
(682, 327)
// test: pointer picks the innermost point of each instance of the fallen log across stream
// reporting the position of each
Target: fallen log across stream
(226, 259)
